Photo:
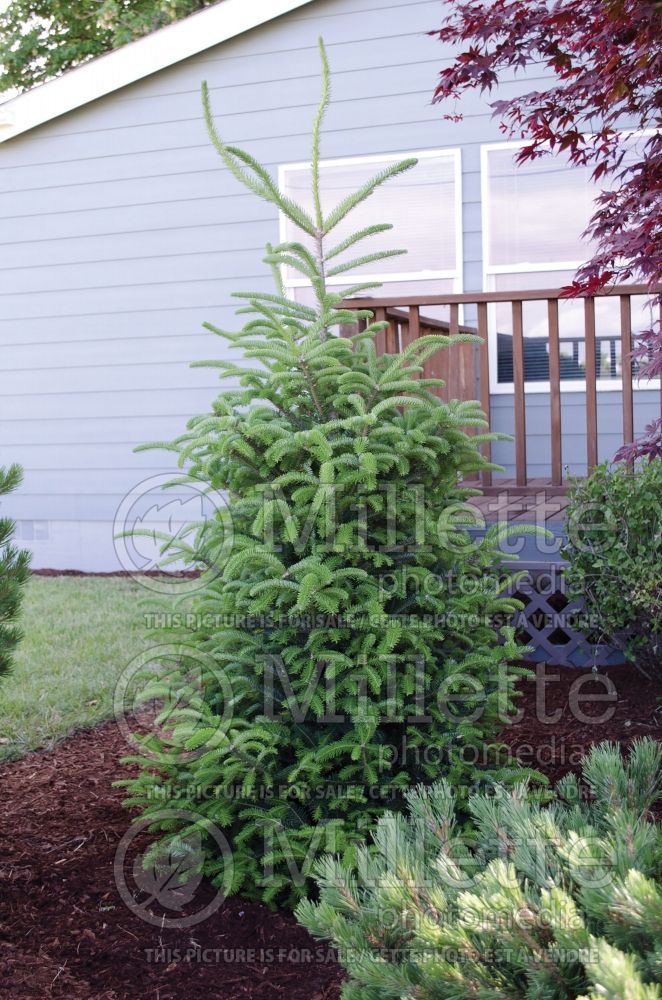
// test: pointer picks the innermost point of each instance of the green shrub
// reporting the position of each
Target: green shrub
(13, 575)
(615, 555)
(349, 607)
(527, 902)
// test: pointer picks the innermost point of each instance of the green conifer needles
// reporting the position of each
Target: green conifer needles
(557, 903)
(13, 575)
(344, 605)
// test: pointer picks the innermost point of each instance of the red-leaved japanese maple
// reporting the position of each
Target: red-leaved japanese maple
(606, 56)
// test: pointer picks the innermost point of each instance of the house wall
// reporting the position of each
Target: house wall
(121, 234)
(573, 421)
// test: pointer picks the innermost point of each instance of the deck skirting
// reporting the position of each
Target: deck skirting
(556, 626)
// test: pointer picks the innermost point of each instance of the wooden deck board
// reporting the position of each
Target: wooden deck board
(508, 504)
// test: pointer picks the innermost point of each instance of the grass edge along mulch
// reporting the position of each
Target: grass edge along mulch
(80, 633)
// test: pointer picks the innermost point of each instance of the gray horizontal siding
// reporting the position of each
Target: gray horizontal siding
(117, 402)
(129, 272)
(174, 146)
(131, 245)
(117, 299)
(163, 324)
(119, 377)
(62, 508)
(126, 431)
(121, 233)
(73, 355)
(573, 422)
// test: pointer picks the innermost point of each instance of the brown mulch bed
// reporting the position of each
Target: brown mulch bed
(65, 932)
(565, 711)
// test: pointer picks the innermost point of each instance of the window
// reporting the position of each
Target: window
(534, 215)
(423, 205)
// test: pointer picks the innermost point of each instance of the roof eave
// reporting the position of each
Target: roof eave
(137, 60)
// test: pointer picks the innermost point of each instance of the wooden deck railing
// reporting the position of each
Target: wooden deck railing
(462, 365)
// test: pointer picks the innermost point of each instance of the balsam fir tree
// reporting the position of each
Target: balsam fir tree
(527, 903)
(13, 575)
(353, 607)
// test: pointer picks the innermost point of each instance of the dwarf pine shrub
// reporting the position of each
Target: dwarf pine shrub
(526, 902)
(13, 575)
(346, 611)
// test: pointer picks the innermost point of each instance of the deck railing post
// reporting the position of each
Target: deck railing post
(520, 402)
(411, 329)
(454, 355)
(391, 346)
(406, 319)
(484, 383)
(591, 388)
(626, 370)
(380, 337)
(555, 391)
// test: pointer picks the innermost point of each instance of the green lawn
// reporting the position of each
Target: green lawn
(80, 633)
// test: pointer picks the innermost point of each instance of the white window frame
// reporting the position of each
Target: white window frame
(455, 275)
(490, 270)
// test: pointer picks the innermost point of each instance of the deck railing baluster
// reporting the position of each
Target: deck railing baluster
(380, 337)
(484, 382)
(406, 320)
(555, 391)
(626, 370)
(454, 355)
(520, 402)
(412, 329)
(591, 387)
(391, 336)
